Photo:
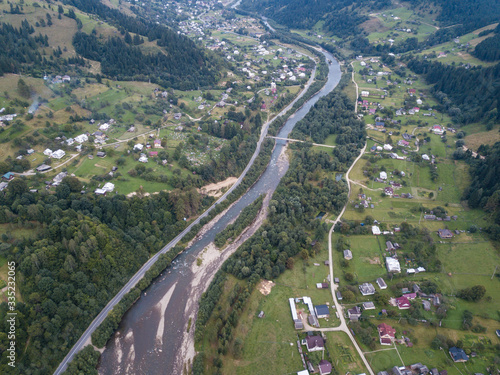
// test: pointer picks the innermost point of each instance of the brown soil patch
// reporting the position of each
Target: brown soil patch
(215, 190)
(265, 287)
(374, 260)
(373, 25)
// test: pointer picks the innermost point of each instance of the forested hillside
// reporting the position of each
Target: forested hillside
(484, 191)
(488, 49)
(341, 17)
(469, 14)
(468, 95)
(20, 51)
(183, 67)
(182, 64)
(83, 249)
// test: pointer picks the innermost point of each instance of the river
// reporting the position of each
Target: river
(150, 337)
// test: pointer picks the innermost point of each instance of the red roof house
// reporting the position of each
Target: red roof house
(403, 303)
(386, 333)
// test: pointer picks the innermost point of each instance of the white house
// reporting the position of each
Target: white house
(387, 147)
(109, 187)
(365, 93)
(139, 146)
(143, 158)
(81, 138)
(425, 157)
(392, 265)
(58, 154)
(375, 230)
(104, 127)
(48, 152)
(383, 175)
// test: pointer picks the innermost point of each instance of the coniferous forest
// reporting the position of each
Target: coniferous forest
(468, 95)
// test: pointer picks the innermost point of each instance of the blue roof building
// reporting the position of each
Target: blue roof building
(322, 311)
(458, 355)
(8, 176)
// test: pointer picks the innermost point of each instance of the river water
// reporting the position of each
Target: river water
(150, 335)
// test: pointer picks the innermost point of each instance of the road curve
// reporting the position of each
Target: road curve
(86, 336)
(343, 325)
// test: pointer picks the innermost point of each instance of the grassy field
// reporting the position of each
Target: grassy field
(345, 357)
(267, 346)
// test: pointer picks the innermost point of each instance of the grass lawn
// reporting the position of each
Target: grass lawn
(345, 357)
(368, 262)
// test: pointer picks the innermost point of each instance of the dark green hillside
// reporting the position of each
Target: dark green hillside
(469, 95)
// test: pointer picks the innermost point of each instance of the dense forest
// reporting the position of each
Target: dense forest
(468, 95)
(484, 190)
(82, 251)
(332, 114)
(488, 49)
(469, 14)
(183, 66)
(341, 17)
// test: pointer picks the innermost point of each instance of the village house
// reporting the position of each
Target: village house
(322, 311)
(376, 230)
(58, 154)
(325, 367)
(388, 191)
(347, 254)
(368, 306)
(354, 314)
(386, 333)
(157, 143)
(383, 175)
(403, 303)
(315, 343)
(381, 283)
(458, 355)
(392, 265)
(437, 129)
(9, 176)
(99, 136)
(366, 289)
(445, 233)
(81, 138)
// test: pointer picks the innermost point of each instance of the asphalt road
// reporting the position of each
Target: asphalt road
(86, 337)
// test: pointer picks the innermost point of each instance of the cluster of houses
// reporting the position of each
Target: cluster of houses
(315, 312)
(313, 343)
(6, 178)
(58, 79)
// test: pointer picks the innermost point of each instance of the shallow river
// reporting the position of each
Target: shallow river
(150, 335)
